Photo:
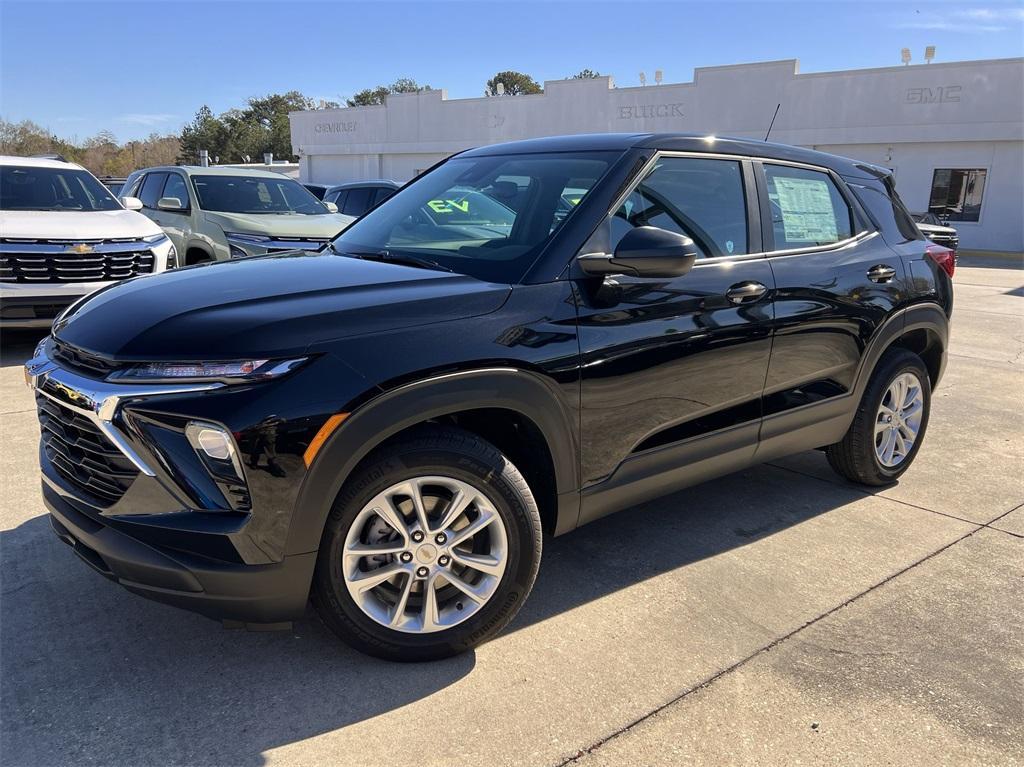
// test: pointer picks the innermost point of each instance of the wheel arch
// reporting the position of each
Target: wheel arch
(471, 400)
(197, 247)
(922, 329)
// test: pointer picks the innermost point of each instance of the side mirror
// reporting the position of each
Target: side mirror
(131, 203)
(172, 204)
(645, 251)
(331, 207)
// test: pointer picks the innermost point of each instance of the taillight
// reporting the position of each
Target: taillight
(944, 257)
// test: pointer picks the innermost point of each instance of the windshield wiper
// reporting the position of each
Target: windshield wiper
(392, 258)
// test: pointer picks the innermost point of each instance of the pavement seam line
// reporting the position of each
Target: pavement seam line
(868, 494)
(768, 647)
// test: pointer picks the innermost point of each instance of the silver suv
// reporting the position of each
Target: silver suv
(214, 214)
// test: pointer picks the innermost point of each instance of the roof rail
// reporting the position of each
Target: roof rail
(50, 156)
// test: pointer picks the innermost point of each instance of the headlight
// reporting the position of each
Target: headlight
(237, 242)
(172, 258)
(235, 371)
(155, 239)
(247, 237)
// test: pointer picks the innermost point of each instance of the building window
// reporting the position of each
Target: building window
(956, 193)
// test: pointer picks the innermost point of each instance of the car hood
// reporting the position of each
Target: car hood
(281, 225)
(266, 307)
(75, 225)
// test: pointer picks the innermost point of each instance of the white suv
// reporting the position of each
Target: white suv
(63, 235)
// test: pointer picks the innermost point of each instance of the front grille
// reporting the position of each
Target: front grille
(946, 240)
(81, 453)
(82, 361)
(56, 261)
(285, 244)
(12, 309)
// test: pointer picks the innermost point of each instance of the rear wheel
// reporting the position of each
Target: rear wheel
(430, 549)
(890, 423)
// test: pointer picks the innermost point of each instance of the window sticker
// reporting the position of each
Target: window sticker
(447, 206)
(807, 213)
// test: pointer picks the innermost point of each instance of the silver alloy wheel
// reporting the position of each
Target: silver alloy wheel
(425, 554)
(898, 420)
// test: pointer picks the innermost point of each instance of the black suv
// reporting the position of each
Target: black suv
(528, 337)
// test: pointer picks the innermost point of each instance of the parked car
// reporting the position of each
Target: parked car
(114, 185)
(357, 197)
(931, 226)
(62, 235)
(215, 214)
(390, 424)
(317, 190)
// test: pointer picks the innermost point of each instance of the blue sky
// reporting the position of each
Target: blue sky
(138, 67)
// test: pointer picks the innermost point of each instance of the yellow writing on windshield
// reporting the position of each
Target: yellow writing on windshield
(445, 206)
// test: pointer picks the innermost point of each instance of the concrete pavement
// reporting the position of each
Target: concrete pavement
(714, 626)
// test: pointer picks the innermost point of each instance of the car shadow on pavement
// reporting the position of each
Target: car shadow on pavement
(93, 673)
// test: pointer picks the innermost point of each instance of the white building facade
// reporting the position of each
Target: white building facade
(953, 133)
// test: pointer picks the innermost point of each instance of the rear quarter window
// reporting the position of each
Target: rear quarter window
(886, 210)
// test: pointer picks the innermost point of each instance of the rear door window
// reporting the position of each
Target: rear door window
(357, 202)
(807, 208)
(382, 194)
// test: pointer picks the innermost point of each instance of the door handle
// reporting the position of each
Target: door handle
(745, 292)
(881, 273)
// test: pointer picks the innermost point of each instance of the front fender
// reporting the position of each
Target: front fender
(369, 425)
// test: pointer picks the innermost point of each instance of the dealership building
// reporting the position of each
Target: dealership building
(953, 133)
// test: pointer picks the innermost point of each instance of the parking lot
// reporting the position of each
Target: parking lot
(775, 616)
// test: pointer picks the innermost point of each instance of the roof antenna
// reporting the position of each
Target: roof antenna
(766, 135)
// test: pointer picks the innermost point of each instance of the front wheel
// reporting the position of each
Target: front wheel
(890, 423)
(431, 548)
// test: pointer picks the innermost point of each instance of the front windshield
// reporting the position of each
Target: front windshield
(488, 217)
(29, 188)
(255, 194)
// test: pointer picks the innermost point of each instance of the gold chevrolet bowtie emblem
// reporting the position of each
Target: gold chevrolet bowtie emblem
(81, 249)
(70, 393)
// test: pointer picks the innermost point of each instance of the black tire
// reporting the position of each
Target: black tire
(448, 452)
(854, 457)
(196, 256)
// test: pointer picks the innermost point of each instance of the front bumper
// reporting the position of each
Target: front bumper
(37, 304)
(270, 593)
(32, 311)
(163, 534)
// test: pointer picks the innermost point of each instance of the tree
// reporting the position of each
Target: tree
(259, 127)
(28, 138)
(101, 154)
(585, 74)
(376, 96)
(204, 132)
(516, 84)
(368, 97)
